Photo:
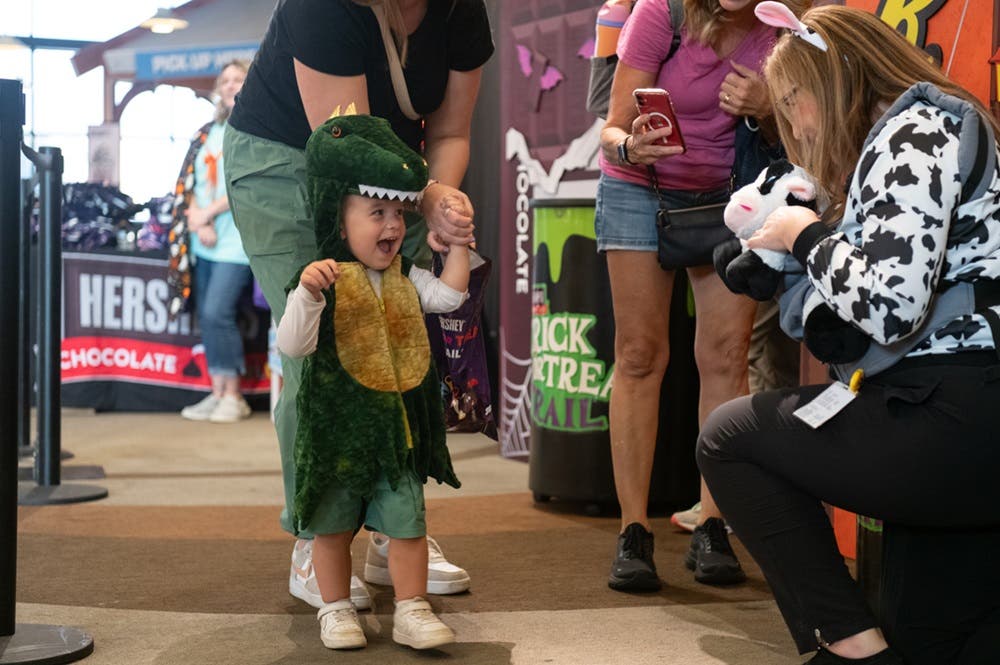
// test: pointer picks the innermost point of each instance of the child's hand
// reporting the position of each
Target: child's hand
(319, 275)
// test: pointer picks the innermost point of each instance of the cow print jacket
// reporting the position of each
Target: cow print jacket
(906, 227)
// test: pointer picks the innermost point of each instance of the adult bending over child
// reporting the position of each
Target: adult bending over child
(907, 161)
(317, 56)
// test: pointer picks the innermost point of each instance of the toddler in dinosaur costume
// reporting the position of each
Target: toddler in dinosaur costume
(371, 423)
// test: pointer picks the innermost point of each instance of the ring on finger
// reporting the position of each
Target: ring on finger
(726, 97)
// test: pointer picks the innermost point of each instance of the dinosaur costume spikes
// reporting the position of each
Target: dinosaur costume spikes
(370, 398)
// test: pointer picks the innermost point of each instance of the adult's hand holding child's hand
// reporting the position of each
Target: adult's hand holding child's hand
(449, 214)
(319, 275)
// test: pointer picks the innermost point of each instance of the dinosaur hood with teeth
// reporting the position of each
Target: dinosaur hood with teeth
(369, 404)
(357, 154)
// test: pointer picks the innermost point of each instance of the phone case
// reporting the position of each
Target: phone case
(657, 103)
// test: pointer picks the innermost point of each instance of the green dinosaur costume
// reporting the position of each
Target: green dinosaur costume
(370, 399)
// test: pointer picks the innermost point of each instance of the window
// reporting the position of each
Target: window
(156, 129)
(60, 106)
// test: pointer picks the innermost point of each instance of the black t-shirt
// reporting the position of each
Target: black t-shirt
(341, 38)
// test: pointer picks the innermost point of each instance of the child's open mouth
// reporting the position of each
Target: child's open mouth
(386, 245)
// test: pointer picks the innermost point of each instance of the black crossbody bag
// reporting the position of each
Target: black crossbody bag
(686, 237)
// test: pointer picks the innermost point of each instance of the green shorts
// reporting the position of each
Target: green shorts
(398, 513)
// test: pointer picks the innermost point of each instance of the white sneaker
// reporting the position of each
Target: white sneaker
(302, 580)
(202, 410)
(229, 410)
(339, 627)
(415, 625)
(687, 519)
(443, 578)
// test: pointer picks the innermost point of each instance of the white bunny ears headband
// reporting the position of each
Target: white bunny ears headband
(778, 15)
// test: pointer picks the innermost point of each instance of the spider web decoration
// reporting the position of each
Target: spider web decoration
(515, 408)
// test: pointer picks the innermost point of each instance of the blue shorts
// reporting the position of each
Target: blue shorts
(625, 213)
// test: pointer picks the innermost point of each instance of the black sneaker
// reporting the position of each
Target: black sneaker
(633, 568)
(711, 556)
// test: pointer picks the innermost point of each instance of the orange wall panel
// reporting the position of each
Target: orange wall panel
(961, 32)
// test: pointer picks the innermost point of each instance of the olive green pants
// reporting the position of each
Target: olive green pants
(266, 185)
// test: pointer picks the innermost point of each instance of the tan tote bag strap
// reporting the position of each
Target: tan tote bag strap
(395, 67)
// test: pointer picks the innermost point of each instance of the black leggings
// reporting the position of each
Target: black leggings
(920, 445)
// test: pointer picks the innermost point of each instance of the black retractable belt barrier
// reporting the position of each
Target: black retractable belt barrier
(19, 643)
(49, 488)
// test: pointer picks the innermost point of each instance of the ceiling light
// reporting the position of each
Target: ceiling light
(164, 21)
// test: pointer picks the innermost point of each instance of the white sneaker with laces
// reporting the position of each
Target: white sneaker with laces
(202, 410)
(415, 625)
(339, 627)
(443, 578)
(302, 580)
(230, 409)
(687, 519)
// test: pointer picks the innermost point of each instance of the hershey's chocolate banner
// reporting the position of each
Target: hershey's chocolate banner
(116, 333)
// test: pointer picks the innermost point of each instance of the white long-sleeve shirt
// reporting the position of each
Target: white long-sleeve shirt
(298, 330)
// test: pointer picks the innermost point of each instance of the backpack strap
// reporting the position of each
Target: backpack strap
(676, 23)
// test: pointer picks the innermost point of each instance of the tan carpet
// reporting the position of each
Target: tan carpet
(185, 564)
(227, 559)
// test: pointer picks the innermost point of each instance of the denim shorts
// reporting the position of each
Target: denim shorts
(625, 213)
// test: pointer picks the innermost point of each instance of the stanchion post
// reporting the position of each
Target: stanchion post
(47, 460)
(49, 489)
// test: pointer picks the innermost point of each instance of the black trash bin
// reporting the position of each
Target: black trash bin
(572, 351)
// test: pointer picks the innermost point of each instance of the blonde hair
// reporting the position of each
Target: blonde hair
(221, 110)
(866, 64)
(705, 19)
(397, 26)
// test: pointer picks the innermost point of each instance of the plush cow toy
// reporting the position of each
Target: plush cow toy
(757, 272)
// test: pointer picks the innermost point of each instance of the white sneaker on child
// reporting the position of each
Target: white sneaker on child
(202, 409)
(415, 625)
(339, 627)
(302, 580)
(443, 578)
(230, 409)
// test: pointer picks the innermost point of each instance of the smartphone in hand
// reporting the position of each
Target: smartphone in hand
(657, 103)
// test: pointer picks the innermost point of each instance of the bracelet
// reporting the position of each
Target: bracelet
(420, 196)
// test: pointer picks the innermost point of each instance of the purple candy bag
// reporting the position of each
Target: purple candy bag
(460, 354)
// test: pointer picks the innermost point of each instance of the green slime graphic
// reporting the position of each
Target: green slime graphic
(554, 226)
